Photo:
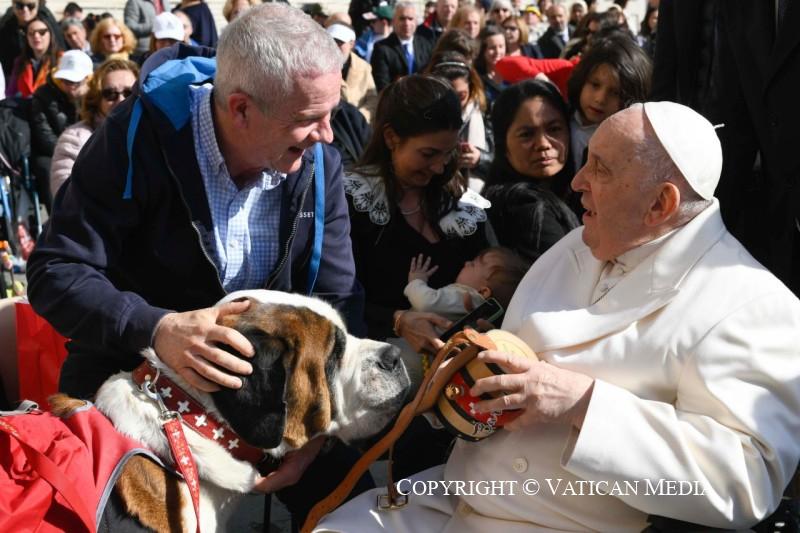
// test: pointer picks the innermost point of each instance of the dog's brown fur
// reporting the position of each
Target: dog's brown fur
(62, 405)
(309, 338)
(151, 494)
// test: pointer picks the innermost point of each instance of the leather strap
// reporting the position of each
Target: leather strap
(460, 349)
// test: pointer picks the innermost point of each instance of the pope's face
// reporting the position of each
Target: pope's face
(611, 188)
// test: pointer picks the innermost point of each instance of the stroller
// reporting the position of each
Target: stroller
(20, 219)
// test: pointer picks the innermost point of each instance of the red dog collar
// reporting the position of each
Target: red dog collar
(196, 417)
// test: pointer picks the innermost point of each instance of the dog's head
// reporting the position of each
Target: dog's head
(310, 377)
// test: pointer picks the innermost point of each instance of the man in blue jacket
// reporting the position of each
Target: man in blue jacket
(189, 191)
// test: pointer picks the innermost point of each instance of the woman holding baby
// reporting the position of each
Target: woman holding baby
(406, 198)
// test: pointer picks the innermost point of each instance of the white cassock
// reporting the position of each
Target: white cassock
(696, 358)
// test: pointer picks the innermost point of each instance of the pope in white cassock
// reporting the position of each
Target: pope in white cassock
(668, 355)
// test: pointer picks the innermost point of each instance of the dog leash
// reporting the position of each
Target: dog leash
(173, 429)
(460, 349)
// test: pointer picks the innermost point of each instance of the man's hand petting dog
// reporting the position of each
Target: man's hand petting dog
(187, 343)
(292, 467)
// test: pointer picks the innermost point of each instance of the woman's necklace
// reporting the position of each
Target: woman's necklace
(411, 211)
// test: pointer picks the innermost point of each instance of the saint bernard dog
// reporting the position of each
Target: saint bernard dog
(310, 378)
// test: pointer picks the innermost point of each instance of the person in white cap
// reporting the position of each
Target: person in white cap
(358, 86)
(167, 30)
(668, 382)
(140, 16)
(54, 107)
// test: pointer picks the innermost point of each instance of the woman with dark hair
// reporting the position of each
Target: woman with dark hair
(39, 54)
(591, 25)
(407, 198)
(476, 146)
(647, 32)
(529, 177)
(492, 50)
(455, 40)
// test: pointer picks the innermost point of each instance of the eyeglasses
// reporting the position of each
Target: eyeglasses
(112, 36)
(41, 33)
(510, 28)
(113, 95)
(21, 6)
(500, 10)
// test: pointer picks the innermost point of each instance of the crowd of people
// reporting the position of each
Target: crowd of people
(464, 145)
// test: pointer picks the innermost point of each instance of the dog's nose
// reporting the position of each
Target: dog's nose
(389, 358)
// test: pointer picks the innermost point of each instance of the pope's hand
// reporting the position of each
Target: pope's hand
(544, 392)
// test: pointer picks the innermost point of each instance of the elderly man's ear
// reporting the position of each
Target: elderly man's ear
(664, 206)
(239, 106)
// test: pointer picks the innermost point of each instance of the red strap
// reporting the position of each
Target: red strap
(183, 458)
(52, 474)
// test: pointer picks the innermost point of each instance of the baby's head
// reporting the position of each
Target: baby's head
(495, 273)
(612, 75)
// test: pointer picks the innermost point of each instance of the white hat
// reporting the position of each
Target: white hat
(74, 66)
(691, 142)
(342, 33)
(168, 26)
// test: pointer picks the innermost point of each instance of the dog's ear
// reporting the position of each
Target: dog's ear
(257, 411)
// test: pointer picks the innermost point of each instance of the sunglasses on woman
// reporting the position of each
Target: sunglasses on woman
(41, 32)
(22, 6)
(113, 95)
(112, 36)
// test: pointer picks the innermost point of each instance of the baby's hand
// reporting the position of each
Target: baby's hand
(421, 268)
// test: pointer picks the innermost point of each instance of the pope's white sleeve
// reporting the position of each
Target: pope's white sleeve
(732, 431)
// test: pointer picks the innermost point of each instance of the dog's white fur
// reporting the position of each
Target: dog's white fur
(364, 396)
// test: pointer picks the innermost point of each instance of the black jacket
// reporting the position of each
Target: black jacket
(725, 59)
(528, 218)
(351, 133)
(106, 269)
(51, 113)
(389, 59)
(550, 44)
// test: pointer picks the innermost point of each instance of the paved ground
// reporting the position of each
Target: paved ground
(249, 518)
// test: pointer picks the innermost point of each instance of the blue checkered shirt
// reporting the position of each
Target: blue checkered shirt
(244, 244)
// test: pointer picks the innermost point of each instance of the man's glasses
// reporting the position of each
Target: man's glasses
(112, 36)
(41, 33)
(21, 6)
(113, 95)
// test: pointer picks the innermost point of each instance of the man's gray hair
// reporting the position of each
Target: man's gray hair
(264, 50)
(405, 4)
(72, 21)
(663, 169)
